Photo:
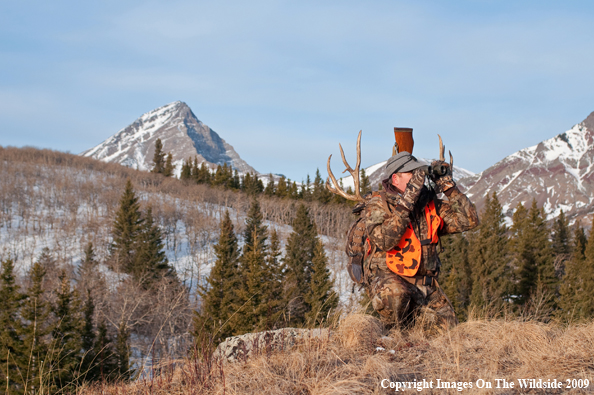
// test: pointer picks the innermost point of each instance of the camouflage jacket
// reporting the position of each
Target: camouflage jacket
(385, 229)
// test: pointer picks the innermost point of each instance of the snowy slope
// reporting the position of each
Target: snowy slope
(181, 133)
(558, 173)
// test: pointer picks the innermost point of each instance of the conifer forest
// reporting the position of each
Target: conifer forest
(106, 272)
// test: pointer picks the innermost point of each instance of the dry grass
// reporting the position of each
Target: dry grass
(348, 362)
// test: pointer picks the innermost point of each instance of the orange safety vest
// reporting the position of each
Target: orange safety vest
(405, 258)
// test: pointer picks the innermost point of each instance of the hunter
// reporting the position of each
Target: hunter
(402, 227)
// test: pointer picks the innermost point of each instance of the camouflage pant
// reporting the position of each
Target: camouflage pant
(399, 302)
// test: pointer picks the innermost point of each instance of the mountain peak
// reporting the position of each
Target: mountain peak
(589, 122)
(181, 133)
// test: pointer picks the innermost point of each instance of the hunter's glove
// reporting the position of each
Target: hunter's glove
(413, 189)
(445, 181)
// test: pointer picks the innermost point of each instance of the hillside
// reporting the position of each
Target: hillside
(360, 358)
(62, 202)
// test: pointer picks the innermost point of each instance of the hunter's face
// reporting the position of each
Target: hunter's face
(400, 180)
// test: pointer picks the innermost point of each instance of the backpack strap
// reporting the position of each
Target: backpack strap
(382, 194)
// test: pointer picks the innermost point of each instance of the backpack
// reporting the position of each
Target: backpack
(356, 239)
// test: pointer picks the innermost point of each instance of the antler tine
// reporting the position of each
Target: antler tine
(441, 149)
(395, 149)
(337, 190)
(451, 162)
(354, 173)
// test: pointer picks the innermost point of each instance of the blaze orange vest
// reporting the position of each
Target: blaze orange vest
(405, 258)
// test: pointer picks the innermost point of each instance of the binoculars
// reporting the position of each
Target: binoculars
(436, 171)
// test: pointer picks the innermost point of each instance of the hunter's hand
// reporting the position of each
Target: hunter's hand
(413, 189)
(443, 182)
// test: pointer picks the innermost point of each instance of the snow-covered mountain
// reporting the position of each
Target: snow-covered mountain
(376, 174)
(181, 133)
(558, 173)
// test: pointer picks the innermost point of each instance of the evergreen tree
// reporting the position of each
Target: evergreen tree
(489, 256)
(533, 256)
(270, 189)
(106, 365)
(126, 228)
(89, 277)
(571, 291)
(254, 226)
(35, 314)
(320, 297)
(365, 185)
(158, 158)
(281, 188)
(66, 344)
(218, 295)
(87, 338)
(276, 271)
(298, 262)
(122, 351)
(458, 275)
(186, 170)
(150, 260)
(250, 305)
(11, 351)
(320, 193)
(306, 189)
(560, 239)
(580, 241)
(169, 168)
(587, 273)
(203, 175)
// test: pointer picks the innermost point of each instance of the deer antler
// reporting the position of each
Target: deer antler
(355, 173)
(451, 163)
(441, 150)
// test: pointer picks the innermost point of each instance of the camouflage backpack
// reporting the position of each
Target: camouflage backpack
(356, 240)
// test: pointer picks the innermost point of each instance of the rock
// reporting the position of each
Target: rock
(240, 348)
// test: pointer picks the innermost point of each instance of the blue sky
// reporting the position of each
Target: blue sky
(285, 82)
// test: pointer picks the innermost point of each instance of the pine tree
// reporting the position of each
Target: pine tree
(458, 275)
(218, 295)
(249, 306)
(572, 286)
(587, 274)
(169, 167)
(321, 297)
(158, 158)
(105, 366)
(560, 239)
(88, 276)
(87, 338)
(122, 351)
(66, 338)
(125, 231)
(150, 262)
(254, 225)
(276, 270)
(306, 189)
(365, 185)
(11, 350)
(35, 314)
(298, 262)
(533, 257)
(186, 170)
(320, 193)
(489, 256)
(270, 189)
(281, 188)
